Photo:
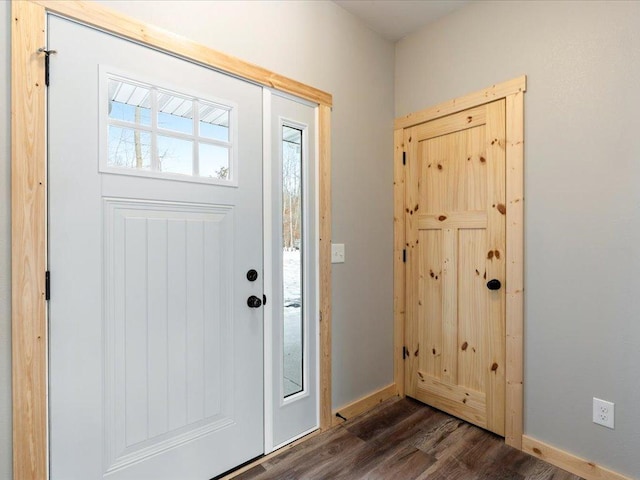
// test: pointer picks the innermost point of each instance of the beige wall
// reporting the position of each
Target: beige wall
(320, 44)
(582, 217)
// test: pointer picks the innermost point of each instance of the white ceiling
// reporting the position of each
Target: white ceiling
(394, 19)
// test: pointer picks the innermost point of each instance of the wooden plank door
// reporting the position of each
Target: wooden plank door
(455, 235)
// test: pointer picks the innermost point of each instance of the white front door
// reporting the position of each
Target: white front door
(155, 220)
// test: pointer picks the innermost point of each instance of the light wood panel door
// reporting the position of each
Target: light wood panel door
(455, 241)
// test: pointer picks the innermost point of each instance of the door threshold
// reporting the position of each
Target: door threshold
(229, 474)
(242, 467)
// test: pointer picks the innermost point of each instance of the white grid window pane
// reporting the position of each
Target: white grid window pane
(175, 113)
(129, 102)
(129, 148)
(214, 122)
(175, 155)
(214, 161)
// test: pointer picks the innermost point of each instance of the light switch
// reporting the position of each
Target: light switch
(337, 253)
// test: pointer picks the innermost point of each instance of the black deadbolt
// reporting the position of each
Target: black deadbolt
(252, 275)
(254, 302)
(494, 284)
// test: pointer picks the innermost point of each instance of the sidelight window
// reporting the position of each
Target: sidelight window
(292, 260)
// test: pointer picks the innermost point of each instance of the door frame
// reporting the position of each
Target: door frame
(271, 320)
(29, 207)
(513, 93)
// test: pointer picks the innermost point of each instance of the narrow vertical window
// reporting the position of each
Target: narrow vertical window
(292, 247)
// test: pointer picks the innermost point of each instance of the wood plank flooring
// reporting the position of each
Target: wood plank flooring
(405, 440)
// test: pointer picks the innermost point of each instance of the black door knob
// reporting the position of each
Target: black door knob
(494, 284)
(254, 302)
(252, 275)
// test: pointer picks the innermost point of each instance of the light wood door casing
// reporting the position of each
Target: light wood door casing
(455, 235)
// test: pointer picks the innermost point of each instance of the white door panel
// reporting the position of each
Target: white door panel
(160, 259)
(155, 357)
(293, 389)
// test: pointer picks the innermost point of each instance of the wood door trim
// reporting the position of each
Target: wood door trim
(399, 291)
(28, 247)
(90, 13)
(28, 205)
(487, 95)
(513, 93)
(514, 303)
(324, 155)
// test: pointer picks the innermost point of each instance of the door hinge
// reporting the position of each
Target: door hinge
(404, 158)
(47, 54)
(404, 255)
(405, 353)
(264, 299)
(47, 285)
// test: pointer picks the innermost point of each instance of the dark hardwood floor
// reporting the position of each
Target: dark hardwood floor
(403, 440)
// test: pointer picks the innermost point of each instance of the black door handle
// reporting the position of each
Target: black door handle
(252, 275)
(494, 284)
(254, 302)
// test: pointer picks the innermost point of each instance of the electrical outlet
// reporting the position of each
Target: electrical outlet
(603, 412)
